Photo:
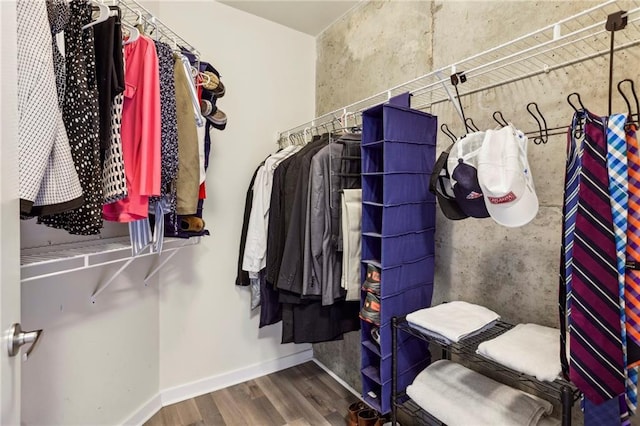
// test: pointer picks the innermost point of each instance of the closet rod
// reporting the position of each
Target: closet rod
(568, 41)
(165, 31)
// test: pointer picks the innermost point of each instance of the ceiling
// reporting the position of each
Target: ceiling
(307, 16)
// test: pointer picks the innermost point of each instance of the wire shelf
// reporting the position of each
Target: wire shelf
(572, 40)
(414, 411)
(41, 262)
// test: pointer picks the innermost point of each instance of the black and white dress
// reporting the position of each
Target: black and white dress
(48, 181)
(168, 130)
(80, 112)
(114, 182)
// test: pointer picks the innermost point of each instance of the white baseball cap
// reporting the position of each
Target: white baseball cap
(505, 177)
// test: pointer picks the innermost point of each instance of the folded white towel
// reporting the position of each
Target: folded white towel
(528, 348)
(453, 320)
(443, 339)
(457, 395)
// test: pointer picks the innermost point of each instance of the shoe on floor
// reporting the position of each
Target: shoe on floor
(372, 281)
(354, 409)
(367, 417)
(370, 311)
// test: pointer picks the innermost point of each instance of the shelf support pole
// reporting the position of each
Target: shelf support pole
(106, 284)
(156, 269)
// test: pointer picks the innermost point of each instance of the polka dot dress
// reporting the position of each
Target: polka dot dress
(80, 113)
(168, 130)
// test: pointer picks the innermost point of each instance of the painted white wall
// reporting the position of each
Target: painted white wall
(206, 327)
(96, 363)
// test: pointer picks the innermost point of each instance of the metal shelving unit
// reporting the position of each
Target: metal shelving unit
(559, 390)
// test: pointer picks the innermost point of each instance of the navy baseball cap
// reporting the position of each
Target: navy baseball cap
(440, 185)
(463, 169)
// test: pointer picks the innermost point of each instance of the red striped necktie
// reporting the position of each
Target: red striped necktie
(596, 365)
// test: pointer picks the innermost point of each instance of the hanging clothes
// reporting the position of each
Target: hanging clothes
(351, 242)
(58, 11)
(254, 259)
(110, 71)
(281, 203)
(188, 176)
(242, 277)
(322, 260)
(168, 132)
(80, 113)
(48, 181)
(140, 132)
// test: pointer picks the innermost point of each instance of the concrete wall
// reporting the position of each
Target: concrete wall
(512, 271)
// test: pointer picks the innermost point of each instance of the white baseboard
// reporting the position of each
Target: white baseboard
(338, 379)
(213, 383)
(145, 412)
(220, 381)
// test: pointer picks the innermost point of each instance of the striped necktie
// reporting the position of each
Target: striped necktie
(632, 279)
(569, 210)
(596, 365)
(618, 191)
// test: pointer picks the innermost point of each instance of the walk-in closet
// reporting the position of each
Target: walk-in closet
(357, 213)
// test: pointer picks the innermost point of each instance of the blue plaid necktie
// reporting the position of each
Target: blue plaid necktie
(619, 193)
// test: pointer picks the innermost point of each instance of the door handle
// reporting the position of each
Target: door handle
(17, 338)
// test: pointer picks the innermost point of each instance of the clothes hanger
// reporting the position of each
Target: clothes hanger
(103, 16)
(133, 33)
(630, 116)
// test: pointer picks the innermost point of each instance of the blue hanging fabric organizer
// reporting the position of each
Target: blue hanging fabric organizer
(398, 227)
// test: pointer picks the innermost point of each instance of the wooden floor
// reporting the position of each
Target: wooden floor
(301, 395)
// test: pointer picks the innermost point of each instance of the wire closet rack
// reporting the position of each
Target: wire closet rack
(133, 13)
(55, 259)
(569, 41)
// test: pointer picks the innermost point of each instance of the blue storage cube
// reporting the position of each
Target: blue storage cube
(373, 157)
(371, 250)
(408, 275)
(408, 157)
(403, 188)
(369, 385)
(409, 125)
(372, 188)
(397, 220)
(397, 250)
(405, 218)
(371, 218)
(372, 129)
